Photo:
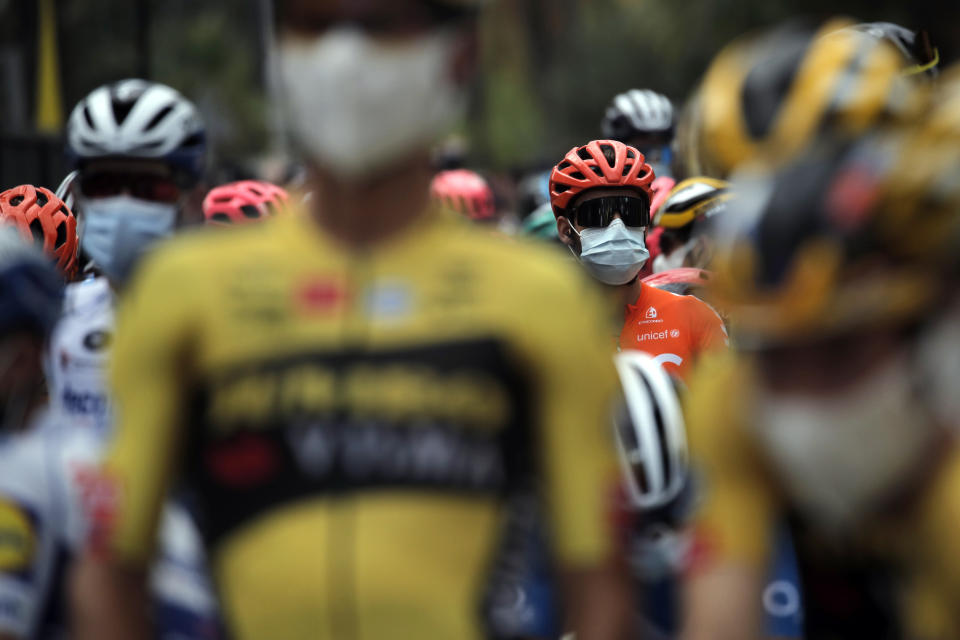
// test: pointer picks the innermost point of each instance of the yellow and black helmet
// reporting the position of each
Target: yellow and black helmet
(697, 198)
(842, 239)
(767, 97)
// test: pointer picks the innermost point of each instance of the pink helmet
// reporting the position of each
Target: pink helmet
(465, 192)
(242, 202)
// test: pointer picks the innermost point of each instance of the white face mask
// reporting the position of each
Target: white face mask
(840, 457)
(355, 105)
(119, 229)
(613, 254)
(675, 259)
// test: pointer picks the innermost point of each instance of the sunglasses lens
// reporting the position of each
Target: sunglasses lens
(599, 212)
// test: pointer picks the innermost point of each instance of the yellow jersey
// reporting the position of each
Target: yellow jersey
(353, 423)
(908, 562)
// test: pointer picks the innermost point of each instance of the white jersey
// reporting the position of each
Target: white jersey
(43, 474)
(78, 357)
(48, 484)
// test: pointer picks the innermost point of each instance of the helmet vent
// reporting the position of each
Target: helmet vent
(16, 200)
(41, 199)
(631, 155)
(121, 110)
(561, 188)
(88, 117)
(564, 165)
(577, 175)
(609, 153)
(61, 234)
(36, 230)
(626, 169)
(250, 211)
(597, 171)
(221, 217)
(583, 153)
(163, 113)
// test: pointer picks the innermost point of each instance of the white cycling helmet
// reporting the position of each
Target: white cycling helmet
(138, 119)
(638, 113)
(650, 433)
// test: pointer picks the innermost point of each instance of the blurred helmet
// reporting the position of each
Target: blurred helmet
(915, 46)
(242, 202)
(768, 97)
(533, 191)
(651, 435)
(541, 223)
(682, 281)
(138, 119)
(599, 164)
(43, 218)
(465, 192)
(639, 113)
(693, 199)
(841, 240)
(31, 290)
(942, 119)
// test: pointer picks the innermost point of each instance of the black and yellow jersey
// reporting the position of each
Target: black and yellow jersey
(902, 570)
(354, 423)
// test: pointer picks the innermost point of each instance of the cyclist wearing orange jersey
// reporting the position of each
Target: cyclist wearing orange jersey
(601, 195)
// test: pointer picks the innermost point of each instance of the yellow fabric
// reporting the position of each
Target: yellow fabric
(49, 94)
(292, 338)
(735, 522)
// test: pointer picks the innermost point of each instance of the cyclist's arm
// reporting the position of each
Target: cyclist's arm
(721, 603)
(577, 385)
(148, 370)
(733, 527)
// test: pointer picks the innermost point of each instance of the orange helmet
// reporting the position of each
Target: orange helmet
(465, 192)
(45, 219)
(599, 164)
(243, 201)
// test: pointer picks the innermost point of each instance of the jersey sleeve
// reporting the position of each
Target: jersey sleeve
(574, 360)
(150, 363)
(734, 520)
(708, 328)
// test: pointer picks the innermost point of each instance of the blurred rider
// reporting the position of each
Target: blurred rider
(687, 217)
(601, 194)
(840, 277)
(355, 392)
(465, 192)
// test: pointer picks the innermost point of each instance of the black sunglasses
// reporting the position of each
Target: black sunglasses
(599, 212)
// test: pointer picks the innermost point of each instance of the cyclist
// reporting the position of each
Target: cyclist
(355, 384)
(465, 192)
(768, 96)
(686, 218)
(243, 201)
(138, 149)
(840, 279)
(600, 194)
(45, 219)
(541, 224)
(35, 523)
(644, 120)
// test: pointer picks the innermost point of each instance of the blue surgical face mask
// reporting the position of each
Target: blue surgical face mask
(118, 230)
(613, 254)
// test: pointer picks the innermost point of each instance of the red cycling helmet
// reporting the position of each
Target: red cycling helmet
(242, 202)
(599, 164)
(45, 219)
(465, 192)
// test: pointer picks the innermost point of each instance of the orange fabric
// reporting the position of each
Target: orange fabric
(676, 330)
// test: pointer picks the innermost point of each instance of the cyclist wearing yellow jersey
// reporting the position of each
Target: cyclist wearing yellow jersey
(839, 410)
(354, 393)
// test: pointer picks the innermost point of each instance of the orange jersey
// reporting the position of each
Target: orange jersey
(677, 330)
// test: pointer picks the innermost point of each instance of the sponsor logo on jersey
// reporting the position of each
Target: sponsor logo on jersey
(321, 295)
(17, 537)
(389, 301)
(675, 333)
(651, 313)
(652, 335)
(84, 402)
(97, 340)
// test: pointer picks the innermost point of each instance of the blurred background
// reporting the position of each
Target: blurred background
(551, 66)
